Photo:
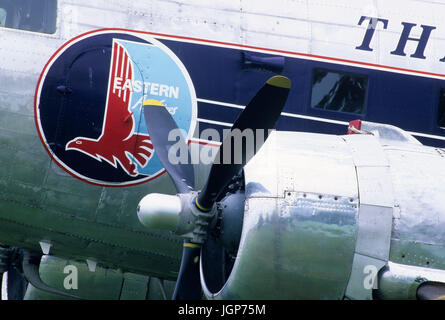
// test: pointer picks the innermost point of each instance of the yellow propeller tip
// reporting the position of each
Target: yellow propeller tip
(279, 81)
(153, 102)
(191, 245)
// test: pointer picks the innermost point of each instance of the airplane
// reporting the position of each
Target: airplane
(92, 207)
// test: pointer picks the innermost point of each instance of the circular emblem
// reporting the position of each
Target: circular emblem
(88, 105)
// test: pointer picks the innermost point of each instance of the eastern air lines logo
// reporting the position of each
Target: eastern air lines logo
(89, 105)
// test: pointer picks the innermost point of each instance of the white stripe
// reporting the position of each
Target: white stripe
(126, 77)
(301, 116)
(225, 104)
(425, 135)
(295, 115)
(123, 61)
(225, 124)
(146, 148)
(122, 69)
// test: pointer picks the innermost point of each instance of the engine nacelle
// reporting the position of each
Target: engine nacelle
(325, 214)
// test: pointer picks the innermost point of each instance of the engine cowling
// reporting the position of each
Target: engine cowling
(325, 215)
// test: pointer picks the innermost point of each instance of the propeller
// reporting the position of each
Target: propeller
(16, 284)
(189, 212)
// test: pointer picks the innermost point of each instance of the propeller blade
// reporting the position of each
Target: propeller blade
(1, 286)
(160, 124)
(261, 113)
(16, 284)
(188, 285)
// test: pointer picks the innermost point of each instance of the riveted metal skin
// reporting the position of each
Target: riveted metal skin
(296, 244)
(376, 211)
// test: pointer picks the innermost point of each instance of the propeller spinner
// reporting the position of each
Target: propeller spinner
(189, 213)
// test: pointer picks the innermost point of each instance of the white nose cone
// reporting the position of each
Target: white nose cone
(159, 211)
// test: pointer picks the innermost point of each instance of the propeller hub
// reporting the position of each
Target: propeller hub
(160, 211)
(176, 213)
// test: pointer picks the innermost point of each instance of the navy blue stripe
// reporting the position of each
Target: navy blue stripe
(407, 101)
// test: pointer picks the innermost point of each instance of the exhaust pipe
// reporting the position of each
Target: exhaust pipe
(404, 282)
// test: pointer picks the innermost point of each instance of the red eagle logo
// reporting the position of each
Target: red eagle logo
(118, 142)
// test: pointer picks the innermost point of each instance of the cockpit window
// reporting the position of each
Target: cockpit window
(30, 15)
(338, 91)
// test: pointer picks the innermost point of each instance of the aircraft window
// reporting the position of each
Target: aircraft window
(441, 109)
(338, 91)
(30, 15)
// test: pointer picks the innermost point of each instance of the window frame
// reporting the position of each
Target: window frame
(342, 72)
(44, 33)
